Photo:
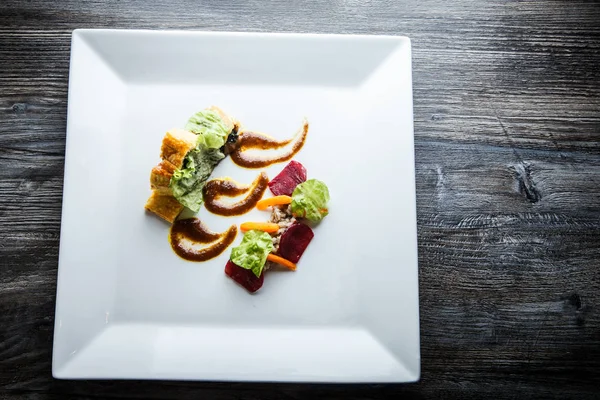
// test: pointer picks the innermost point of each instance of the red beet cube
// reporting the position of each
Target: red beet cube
(291, 176)
(294, 241)
(244, 277)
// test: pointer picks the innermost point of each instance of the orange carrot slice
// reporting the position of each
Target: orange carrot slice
(259, 226)
(281, 261)
(273, 201)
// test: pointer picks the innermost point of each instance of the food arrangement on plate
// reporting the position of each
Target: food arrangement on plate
(182, 180)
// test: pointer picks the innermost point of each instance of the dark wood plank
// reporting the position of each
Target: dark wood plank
(507, 133)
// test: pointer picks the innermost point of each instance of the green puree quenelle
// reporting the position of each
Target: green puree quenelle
(210, 127)
(309, 200)
(187, 182)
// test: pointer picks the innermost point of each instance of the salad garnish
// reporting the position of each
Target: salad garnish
(253, 251)
(309, 200)
(283, 239)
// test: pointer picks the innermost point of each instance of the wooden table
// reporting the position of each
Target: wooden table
(507, 136)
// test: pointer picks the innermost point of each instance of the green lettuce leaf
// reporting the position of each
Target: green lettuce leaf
(253, 251)
(187, 172)
(309, 200)
(212, 132)
(187, 183)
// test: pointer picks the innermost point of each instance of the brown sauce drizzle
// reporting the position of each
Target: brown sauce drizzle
(253, 140)
(194, 230)
(217, 188)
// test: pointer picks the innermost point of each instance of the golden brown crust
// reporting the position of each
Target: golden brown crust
(167, 166)
(176, 144)
(160, 179)
(164, 205)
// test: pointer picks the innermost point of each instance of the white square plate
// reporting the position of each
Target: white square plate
(129, 308)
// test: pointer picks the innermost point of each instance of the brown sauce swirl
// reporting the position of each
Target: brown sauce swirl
(253, 140)
(194, 230)
(217, 188)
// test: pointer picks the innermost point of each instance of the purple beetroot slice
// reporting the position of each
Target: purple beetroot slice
(244, 277)
(291, 176)
(294, 241)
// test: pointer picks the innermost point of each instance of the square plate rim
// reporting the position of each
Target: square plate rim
(80, 33)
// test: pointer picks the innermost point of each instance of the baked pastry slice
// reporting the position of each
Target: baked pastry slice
(188, 158)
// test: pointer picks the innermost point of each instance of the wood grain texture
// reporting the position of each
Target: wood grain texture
(507, 141)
